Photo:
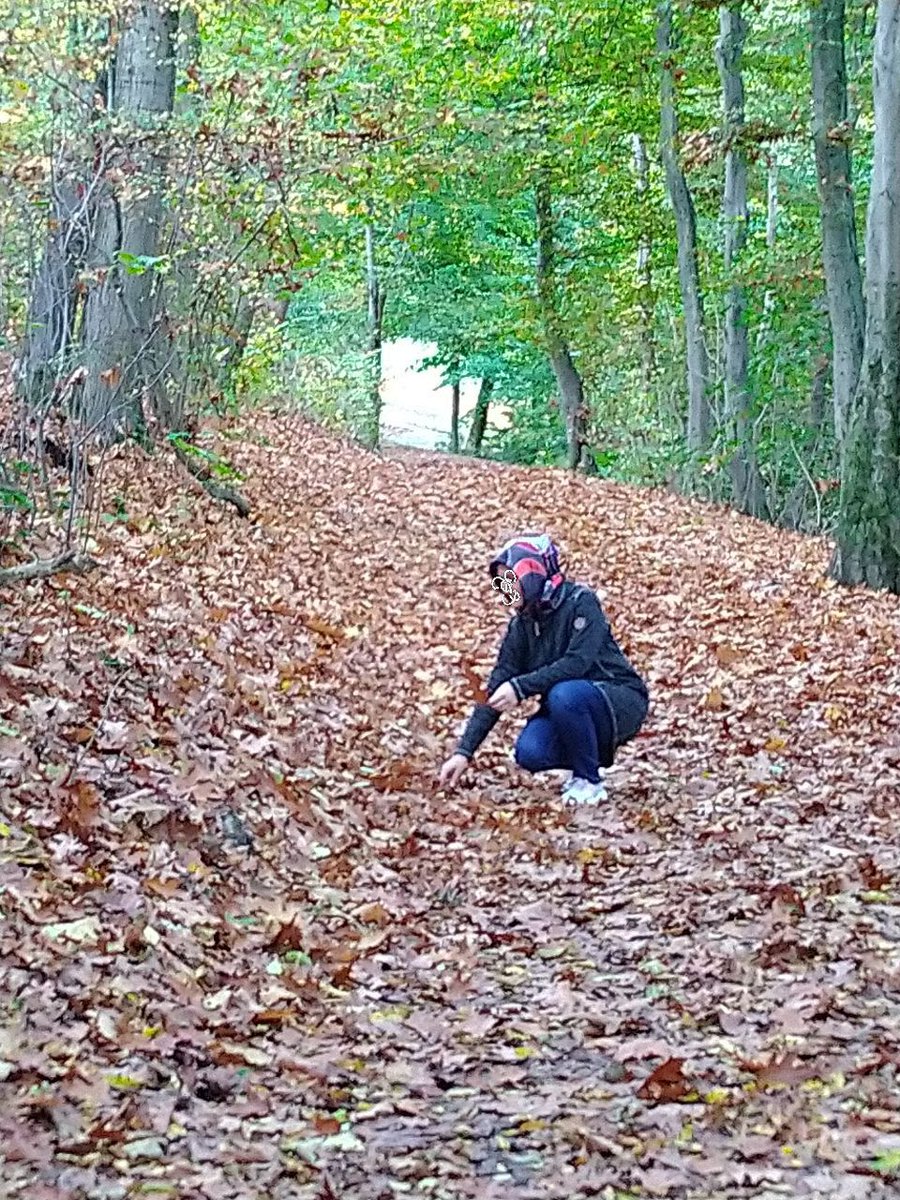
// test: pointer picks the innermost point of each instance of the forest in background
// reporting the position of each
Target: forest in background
(663, 236)
(249, 950)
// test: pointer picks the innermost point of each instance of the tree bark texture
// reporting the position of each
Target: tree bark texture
(126, 342)
(50, 328)
(479, 417)
(748, 493)
(831, 134)
(568, 380)
(868, 537)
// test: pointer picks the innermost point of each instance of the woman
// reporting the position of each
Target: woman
(558, 646)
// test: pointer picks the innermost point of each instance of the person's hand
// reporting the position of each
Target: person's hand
(504, 699)
(451, 771)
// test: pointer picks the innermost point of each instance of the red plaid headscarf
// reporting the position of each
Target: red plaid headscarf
(534, 560)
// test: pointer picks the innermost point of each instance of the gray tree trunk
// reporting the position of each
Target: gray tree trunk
(50, 328)
(375, 298)
(748, 493)
(644, 267)
(568, 380)
(772, 202)
(49, 351)
(454, 418)
(479, 417)
(868, 536)
(127, 347)
(821, 373)
(699, 417)
(831, 134)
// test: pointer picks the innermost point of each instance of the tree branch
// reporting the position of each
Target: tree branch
(41, 568)
(219, 491)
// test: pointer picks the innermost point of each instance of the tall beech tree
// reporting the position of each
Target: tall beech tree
(748, 492)
(699, 412)
(568, 378)
(868, 536)
(126, 341)
(832, 135)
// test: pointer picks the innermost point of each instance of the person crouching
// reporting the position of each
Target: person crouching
(559, 647)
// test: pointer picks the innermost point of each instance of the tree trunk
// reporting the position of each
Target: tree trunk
(699, 419)
(746, 483)
(818, 391)
(237, 335)
(772, 202)
(190, 371)
(187, 59)
(644, 268)
(831, 133)
(868, 536)
(53, 302)
(568, 380)
(454, 418)
(571, 393)
(375, 297)
(479, 417)
(126, 343)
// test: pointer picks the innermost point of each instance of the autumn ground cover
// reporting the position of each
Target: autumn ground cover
(247, 949)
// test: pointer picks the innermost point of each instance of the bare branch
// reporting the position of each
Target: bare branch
(41, 568)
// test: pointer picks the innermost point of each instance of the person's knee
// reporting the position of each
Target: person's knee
(568, 696)
(528, 754)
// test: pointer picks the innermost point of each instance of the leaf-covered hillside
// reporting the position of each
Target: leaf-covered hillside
(248, 950)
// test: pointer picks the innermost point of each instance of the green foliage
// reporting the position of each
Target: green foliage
(887, 1162)
(140, 264)
(536, 436)
(120, 515)
(213, 462)
(15, 499)
(301, 125)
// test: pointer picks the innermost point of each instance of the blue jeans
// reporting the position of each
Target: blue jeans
(573, 731)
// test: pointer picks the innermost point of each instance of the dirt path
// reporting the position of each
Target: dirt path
(389, 991)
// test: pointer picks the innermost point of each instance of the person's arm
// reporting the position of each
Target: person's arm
(484, 718)
(581, 653)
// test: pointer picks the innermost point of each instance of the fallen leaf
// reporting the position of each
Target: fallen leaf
(666, 1083)
(82, 931)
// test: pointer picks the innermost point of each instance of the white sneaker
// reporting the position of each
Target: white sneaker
(582, 791)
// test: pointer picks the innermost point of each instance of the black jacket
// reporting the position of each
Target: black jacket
(571, 641)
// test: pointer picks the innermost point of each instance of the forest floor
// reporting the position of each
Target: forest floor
(249, 950)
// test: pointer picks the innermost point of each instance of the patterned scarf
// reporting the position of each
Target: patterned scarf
(534, 560)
